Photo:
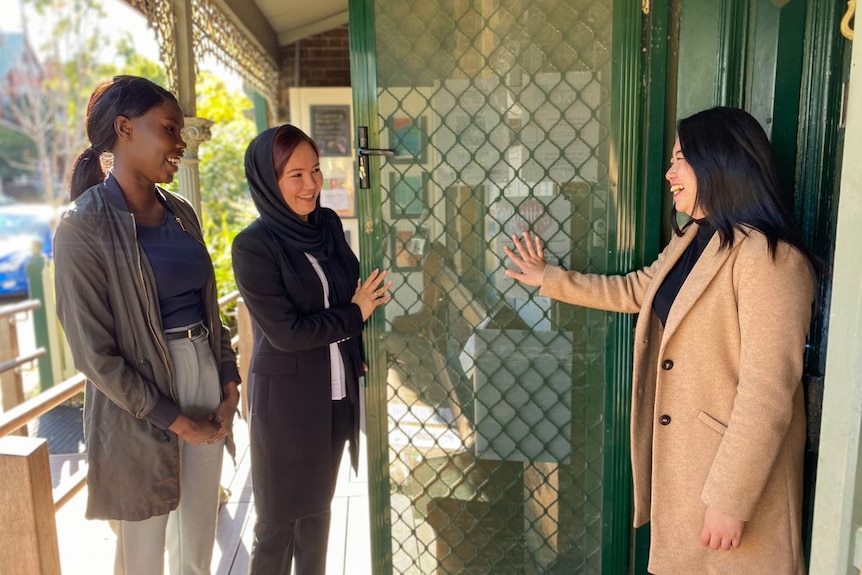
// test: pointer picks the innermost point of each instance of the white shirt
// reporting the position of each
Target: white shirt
(339, 388)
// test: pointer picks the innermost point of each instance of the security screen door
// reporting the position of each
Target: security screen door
(488, 406)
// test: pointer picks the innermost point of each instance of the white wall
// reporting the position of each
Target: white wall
(838, 496)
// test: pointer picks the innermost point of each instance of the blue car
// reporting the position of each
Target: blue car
(25, 229)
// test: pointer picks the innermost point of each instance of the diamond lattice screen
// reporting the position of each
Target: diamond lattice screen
(498, 112)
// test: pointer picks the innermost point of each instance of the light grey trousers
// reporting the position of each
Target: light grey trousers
(188, 532)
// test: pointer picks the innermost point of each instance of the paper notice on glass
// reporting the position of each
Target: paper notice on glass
(337, 199)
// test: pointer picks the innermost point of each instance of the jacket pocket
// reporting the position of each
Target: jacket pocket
(273, 364)
(145, 369)
(711, 422)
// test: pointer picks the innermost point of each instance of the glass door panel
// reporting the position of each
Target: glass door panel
(498, 112)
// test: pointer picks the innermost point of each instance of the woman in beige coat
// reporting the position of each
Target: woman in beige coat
(718, 419)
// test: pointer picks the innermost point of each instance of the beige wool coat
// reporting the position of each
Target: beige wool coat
(718, 414)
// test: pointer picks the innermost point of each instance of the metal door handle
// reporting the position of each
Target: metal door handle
(363, 151)
(376, 152)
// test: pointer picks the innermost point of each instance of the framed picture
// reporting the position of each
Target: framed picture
(330, 129)
(409, 138)
(337, 194)
(408, 194)
(403, 258)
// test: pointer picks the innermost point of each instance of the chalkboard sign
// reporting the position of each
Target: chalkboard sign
(330, 129)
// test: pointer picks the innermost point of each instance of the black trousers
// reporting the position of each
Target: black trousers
(302, 541)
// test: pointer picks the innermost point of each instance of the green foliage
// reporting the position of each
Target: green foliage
(226, 205)
(16, 151)
(217, 104)
(136, 65)
(72, 47)
(69, 42)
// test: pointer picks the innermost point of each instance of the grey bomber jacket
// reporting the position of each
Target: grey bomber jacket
(108, 306)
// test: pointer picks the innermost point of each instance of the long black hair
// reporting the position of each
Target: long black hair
(128, 96)
(737, 182)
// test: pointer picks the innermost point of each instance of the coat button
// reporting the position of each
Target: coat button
(667, 364)
(664, 419)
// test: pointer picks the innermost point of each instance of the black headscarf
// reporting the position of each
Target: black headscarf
(322, 235)
(315, 236)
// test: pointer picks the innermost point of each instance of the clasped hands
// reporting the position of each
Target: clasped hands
(211, 428)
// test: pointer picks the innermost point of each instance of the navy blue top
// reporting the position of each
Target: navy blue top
(181, 266)
(672, 283)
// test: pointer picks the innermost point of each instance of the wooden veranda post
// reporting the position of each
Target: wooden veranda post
(28, 532)
(11, 386)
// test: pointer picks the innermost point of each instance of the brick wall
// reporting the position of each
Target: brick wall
(324, 61)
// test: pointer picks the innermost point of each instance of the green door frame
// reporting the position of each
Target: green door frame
(657, 72)
(638, 140)
(821, 142)
(363, 65)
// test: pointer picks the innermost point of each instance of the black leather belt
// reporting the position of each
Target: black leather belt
(190, 333)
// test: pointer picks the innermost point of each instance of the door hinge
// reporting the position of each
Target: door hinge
(842, 110)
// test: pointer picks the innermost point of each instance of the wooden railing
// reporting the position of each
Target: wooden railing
(11, 385)
(242, 342)
(28, 533)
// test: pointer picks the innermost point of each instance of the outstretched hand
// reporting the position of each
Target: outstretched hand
(529, 257)
(371, 293)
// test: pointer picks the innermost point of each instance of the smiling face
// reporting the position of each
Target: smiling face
(683, 184)
(301, 180)
(154, 146)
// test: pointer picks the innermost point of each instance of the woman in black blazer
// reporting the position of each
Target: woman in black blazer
(300, 281)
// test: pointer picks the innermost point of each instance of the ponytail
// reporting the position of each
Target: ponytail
(87, 172)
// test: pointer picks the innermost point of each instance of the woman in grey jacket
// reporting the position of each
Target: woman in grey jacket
(136, 296)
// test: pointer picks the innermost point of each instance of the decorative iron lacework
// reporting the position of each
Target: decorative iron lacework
(214, 33)
(162, 19)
